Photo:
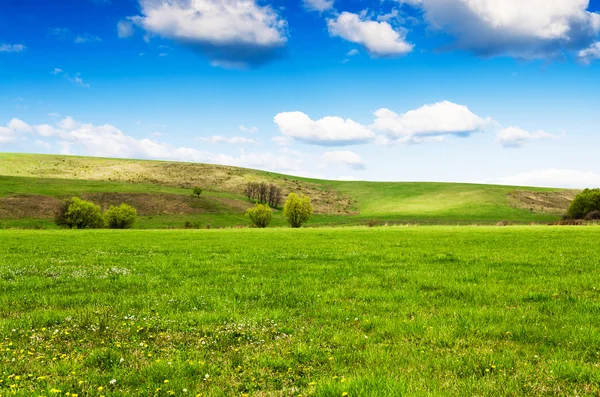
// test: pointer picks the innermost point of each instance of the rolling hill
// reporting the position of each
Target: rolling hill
(32, 186)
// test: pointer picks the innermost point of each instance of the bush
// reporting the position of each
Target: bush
(191, 225)
(297, 210)
(372, 222)
(585, 202)
(260, 216)
(79, 214)
(593, 216)
(121, 217)
(61, 218)
(197, 191)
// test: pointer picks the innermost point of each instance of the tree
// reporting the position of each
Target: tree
(121, 217)
(262, 193)
(297, 210)
(584, 203)
(260, 216)
(79, 214)
(197, 191)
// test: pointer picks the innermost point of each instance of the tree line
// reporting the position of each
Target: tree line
(263, 193)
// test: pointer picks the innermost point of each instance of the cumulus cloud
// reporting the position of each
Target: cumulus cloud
(525, 29)
(328, 131)
(343, 158)
(514, 137)
(6, 135)
(591, 53)
(17, 125)
(559, 178)
(231, 33)
(427, 123)
(318, 5)
(235, 140)
(12, 48)
(379, 38)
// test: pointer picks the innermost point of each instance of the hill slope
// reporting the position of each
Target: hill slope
(31, 186)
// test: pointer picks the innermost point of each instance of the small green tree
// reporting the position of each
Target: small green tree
(584, 203)
(79, 214)
(297, 210)
(197, 191)
(121, 217)
(260, 216)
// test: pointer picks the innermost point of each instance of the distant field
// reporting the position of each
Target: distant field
(32, 186)
(442, 311)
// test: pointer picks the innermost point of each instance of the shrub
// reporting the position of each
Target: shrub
(373, 223)
(79, 214)
(191, 225)
(121, 217)
(593, 216)
(60, 218)
(260, 216)
(297, 210)
(197, 191)
(585, 202)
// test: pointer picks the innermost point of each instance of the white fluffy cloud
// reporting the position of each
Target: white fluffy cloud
(6, 135)
(379, 38)
(559, 178)
(521, 28)
(591, 53)
(12, 48)
(513, 137)
(229, 32)
(328, 131)
(319, 5)
(427, 123)
(344, 158)
(235, 140)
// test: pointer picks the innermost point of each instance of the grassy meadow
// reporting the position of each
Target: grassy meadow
(437, 311)
(32, 187)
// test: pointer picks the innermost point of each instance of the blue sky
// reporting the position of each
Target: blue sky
(413, 90)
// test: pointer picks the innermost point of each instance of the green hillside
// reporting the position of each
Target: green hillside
(31, 187)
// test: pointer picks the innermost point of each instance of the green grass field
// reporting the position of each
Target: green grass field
(441, 311)
(31, 187)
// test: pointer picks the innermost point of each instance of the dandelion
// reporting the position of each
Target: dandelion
(344, 394)
(100, 388)
(113, 381)
(55, 391)
(185, 390)
(121, 360)
(166, 381)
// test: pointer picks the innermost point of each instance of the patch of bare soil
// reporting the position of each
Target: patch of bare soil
(28, 206)
(555, 203)
(168, 204)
